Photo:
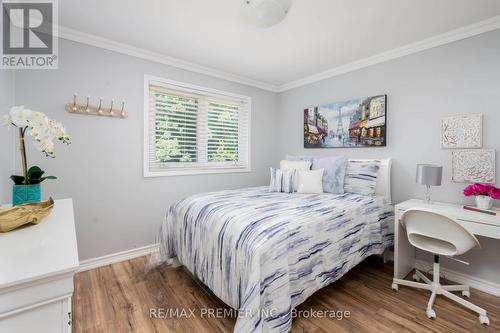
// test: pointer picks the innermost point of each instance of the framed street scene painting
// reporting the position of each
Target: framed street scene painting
(348, 124)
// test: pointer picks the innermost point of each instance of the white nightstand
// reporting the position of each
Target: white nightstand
(38, 263)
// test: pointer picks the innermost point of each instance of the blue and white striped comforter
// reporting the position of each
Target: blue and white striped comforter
(265, 252)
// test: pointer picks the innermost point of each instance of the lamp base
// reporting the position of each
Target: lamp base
(428, 194)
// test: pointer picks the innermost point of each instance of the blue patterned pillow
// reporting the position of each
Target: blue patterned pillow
(334, 175)
(361, 176)
(281, 181)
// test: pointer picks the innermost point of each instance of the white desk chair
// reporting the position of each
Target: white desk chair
(440, 235)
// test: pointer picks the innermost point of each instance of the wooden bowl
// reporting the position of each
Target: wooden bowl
(34, 213)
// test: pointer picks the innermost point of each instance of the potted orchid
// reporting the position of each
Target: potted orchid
(43, 131)
(483, 193)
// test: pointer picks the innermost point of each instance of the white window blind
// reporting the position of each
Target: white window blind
(195, 130)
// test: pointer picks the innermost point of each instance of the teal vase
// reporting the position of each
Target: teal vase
(26, 193)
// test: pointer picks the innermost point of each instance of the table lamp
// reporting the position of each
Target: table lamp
(429, 175)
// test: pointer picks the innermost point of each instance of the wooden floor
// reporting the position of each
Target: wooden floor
(118, 298)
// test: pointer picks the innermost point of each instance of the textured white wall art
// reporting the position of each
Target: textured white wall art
(462, 131)
(475, 166)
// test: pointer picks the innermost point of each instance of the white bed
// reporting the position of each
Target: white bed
(264, 253)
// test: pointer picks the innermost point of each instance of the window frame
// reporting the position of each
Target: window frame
(218, 168)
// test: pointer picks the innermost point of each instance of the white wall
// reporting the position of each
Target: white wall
(116, 208)
(463, 77)
(6, 136)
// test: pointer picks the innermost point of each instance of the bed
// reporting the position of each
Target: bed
(264, 253)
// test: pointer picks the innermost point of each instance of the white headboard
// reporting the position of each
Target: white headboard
(383, 187)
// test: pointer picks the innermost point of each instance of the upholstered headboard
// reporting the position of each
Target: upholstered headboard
(383, 187)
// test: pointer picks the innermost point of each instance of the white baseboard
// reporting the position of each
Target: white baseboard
(113, 258)
(472, 281)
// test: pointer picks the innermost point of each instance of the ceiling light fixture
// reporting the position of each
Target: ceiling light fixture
(265, 13)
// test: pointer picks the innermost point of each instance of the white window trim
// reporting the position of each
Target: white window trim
(194, 171)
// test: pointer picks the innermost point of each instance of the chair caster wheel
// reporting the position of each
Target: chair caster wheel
(484, 320)
(466, 293)
(416, 278)
(394, 287)
(431, 314)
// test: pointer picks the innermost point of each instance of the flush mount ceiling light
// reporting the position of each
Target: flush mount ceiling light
(265, 13)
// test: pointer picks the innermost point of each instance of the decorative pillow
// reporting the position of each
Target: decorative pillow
(334, 174)
(299, 158)
(294, 166)
(310, 181)
(281, 181)
(361, 176)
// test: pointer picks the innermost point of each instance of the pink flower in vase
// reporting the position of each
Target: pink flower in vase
(469, 191)
(478, 189)
(494, 193)
(481, 189)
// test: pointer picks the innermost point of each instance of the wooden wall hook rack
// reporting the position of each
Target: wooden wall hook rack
(96, 110)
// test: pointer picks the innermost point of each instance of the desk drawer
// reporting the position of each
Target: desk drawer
(481, 229)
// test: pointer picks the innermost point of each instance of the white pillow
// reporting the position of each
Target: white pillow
(310, 181)
(294, 166)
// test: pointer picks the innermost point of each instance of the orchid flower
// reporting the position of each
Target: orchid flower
(20, 117)
(41, 128)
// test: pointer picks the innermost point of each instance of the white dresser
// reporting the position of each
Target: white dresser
(37, 265)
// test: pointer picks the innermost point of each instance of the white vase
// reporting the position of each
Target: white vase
(483, 202)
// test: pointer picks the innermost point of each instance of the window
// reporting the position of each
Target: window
(193, 130)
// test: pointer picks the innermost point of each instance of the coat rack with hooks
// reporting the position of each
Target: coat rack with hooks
(96, 110)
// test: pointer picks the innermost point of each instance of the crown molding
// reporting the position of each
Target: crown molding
(429, 43)
(111, 45)
(432, 42)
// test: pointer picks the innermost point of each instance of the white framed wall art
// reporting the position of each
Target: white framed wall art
(473, 165)
(462, 131)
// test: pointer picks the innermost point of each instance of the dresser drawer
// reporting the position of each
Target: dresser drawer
(48, 318)
(25, 295)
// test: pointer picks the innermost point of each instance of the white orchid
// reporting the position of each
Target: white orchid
(40, 127)
(37, 133)
(7, 120)
(45, 146)
(43, 130)
(20, 116)
(39, 120)
(60, 132)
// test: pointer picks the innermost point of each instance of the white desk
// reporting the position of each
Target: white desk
(404, 253)
(37, 265)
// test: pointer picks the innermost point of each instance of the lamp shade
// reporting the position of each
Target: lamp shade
(429, 174)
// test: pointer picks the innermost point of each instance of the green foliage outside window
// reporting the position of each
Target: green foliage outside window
(176, 130)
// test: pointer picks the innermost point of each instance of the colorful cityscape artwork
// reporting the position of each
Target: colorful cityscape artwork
(349, 124)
